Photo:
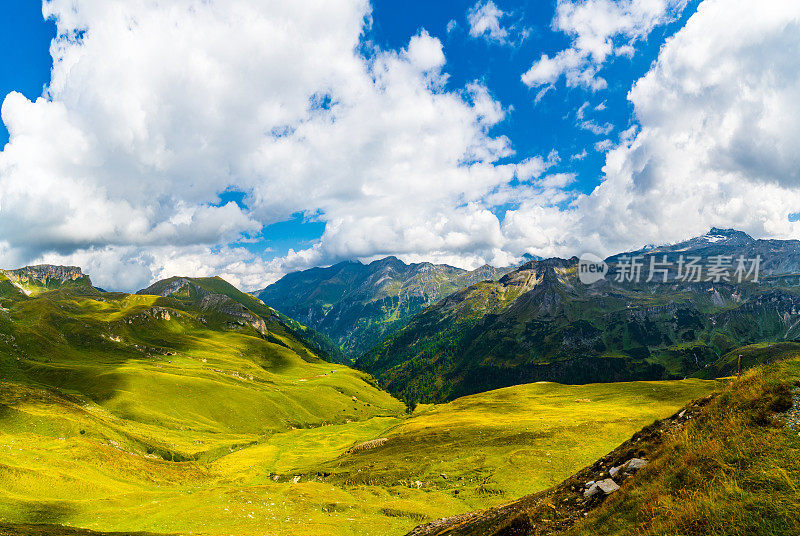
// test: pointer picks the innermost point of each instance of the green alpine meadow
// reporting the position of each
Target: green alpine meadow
(119, 410)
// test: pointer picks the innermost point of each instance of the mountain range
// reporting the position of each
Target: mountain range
(776, 257)
(356, 305)
(59, 330)
(540, 323)
(432, 333)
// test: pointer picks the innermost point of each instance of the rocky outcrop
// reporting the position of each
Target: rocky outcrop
(208, 302)
(368, 445)
(173, 286)
(619, 473)
(152, 313)
(45, 275)
(240, 315)
(606, 487)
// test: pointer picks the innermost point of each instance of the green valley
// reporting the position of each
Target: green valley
(410, 268)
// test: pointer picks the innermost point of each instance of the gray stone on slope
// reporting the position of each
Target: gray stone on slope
(627, 468)
(606, 487)
(634, 464)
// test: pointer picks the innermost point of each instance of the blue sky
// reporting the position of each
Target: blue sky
(25, 39)
(188, 138)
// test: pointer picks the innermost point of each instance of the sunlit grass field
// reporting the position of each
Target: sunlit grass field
(116, 416)
(79, 464)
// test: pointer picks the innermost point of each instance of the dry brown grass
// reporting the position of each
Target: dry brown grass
(368, 445)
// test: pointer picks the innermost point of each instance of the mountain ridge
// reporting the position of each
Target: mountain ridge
(539, 322)
(357, 304)
(215, 295)
(778, 257)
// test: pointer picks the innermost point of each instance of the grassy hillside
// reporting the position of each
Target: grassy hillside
(146, 413)
(727, 465)
(752, 355)
(198, 290)
(357, 305)
(734, 471)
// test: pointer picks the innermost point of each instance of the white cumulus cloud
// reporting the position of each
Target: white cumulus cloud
(598, 29)
(485, 20)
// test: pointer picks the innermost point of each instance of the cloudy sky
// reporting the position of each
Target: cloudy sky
(249, 138)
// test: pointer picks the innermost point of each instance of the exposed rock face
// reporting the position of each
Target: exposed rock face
(208, 302)
(170, 287)
(223, 304)
(634, 465)
(153, 313)
(45, 275)
(621, 472)
(533, 273)
(368, 445)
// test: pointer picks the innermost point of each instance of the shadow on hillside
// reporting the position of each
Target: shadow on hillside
(9, 529)
(47, 512)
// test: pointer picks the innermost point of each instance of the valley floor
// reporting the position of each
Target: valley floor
(66, 460)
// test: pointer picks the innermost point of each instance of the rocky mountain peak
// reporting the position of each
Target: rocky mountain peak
(170, 286)
(539, 270)
(716, 234)
(45, 274)
(391, 262)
